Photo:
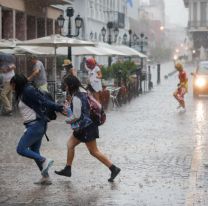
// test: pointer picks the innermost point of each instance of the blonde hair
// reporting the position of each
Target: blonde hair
(179, 66)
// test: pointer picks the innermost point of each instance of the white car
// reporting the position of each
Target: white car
(200, 79)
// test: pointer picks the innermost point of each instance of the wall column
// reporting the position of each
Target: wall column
(53, 25)
(25, 26)
(14, 23)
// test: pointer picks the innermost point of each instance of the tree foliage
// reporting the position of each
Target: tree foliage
(119, 71)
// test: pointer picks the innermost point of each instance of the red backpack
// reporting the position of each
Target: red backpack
(97, 113)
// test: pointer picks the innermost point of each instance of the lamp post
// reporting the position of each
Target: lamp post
(130, 36)
(111, 28)
(142, 41)
(124, 38)
(134, 39)
(78, 25)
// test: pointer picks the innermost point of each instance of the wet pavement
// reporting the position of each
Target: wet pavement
(161, 151)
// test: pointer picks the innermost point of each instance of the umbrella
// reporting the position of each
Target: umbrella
(7, 51)
(8, 44)
(77, 51)
(61, 50)
(6, 59)
(55, 41)
(129, 51)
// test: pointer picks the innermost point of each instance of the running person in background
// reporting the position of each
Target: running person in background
(182, 85)
(95, 77)
(38, 75)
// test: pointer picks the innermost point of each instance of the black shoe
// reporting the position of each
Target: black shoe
(65, 172)
(114, 172)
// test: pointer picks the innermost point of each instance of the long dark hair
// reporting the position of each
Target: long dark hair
(73, 84)
(19, 80)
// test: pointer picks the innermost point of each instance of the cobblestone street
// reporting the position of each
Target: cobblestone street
(159, 149)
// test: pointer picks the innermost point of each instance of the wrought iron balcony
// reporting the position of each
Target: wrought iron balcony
(197, 24)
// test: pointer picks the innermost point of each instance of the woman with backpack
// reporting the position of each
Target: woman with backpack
(32, 104)
(87, 132)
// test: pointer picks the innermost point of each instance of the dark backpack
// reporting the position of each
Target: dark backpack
(97, 113)
(49, 113)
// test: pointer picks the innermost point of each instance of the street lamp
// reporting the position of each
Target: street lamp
(103, 32)
(124, 38)
(110, 26)
(60, 21)
(116, 33)
(91, 35)
(134, 36)
(142, 41)
(78, 25)
(130, 33)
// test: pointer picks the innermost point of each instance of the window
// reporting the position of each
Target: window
(195, 12)
(203, 13)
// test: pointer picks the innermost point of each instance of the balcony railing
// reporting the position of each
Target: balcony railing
(197, 24)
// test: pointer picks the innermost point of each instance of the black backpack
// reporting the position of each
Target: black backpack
(49, 113)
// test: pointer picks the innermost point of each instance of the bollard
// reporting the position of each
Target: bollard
(150, 83)
(140, 79)
(158, 73)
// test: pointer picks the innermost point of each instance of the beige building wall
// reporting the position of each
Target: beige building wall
(14, 4)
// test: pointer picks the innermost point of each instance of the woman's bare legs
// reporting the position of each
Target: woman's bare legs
(94, 151)
(71, 144)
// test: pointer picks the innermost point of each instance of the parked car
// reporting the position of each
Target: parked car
(200, 79)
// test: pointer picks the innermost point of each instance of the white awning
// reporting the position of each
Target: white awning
(76, 51)
(130, 51)
(127, 51)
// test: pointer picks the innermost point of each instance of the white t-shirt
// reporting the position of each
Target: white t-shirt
(94, 81)
(77, 105)
(27, 113)
(8, 75)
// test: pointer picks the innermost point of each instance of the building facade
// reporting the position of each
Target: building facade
(97, 13)
(28, 19)
(197, 29)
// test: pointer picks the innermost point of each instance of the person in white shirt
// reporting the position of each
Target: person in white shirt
(7, 70)
(95, 76)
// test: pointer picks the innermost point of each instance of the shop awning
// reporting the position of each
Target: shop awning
(127, 51)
